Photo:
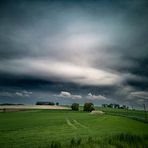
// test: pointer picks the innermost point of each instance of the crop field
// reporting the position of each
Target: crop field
(66, 128)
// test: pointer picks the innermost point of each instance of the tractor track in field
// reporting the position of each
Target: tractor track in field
(79, 124)
(71, 124)
(75, 124)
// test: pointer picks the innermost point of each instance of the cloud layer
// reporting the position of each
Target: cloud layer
(90, 49)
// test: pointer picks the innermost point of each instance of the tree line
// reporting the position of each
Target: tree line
(113, 105)
(47, 103)
(88, 106)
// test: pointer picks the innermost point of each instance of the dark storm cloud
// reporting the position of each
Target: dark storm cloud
(79, 47)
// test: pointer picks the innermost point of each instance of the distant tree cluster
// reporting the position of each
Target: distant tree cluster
(75, 106)
(88, 106)
(46, 103)
(115, 106)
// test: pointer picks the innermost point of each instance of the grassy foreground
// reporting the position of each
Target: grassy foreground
(61, 128)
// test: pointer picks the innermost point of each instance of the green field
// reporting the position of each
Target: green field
(65, 128)
(133, 114)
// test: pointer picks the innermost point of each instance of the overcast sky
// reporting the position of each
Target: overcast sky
(74, 51)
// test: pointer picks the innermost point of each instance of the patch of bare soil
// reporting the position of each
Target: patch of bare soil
(97, 112)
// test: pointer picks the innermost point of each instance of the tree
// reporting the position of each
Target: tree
(104, 105)
(110, 105)
(88, 107)
(57, 103)
(116, 106)
(75, 106)
(124, 107)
